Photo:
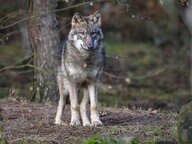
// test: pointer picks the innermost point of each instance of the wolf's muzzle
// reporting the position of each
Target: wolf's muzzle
(90, 47)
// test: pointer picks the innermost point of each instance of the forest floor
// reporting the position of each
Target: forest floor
(34, 123)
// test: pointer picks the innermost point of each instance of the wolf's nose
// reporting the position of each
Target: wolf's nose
(90, 47)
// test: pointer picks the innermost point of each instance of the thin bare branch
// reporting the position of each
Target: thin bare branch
(55, 10)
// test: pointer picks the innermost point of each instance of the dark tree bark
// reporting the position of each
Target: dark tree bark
(44, 39)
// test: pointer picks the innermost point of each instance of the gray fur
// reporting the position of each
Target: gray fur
(81, 66)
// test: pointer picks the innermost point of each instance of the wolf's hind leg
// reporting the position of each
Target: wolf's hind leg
(83, 107)
(62, 100)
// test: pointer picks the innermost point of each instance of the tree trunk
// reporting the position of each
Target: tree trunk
(44, 39)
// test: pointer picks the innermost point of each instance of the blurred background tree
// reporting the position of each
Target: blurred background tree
(44, 38)
(147, 44)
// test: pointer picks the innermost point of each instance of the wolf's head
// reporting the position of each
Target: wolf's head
(86, 32)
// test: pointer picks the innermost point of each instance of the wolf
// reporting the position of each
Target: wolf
(82, 62)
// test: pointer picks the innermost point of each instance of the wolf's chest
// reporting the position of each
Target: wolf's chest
(82, 66)
(82, 73)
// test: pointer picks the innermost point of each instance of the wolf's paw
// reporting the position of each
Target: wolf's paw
(87, 123)
(75, 123)
(96, 123)
(60, 122)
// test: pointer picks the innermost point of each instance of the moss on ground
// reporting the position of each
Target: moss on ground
(185, 124)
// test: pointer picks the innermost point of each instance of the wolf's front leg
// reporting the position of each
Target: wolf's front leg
(94, 105)
(62, 100)
(83, 107)
(73, 94)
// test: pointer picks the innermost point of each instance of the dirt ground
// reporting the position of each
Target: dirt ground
(34, 121)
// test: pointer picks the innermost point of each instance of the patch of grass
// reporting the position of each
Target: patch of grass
(111, 140)
(109, 100)
(138, 56)
(143, 53)
(139, 59)
(160, 142)
(152, 142)
(3, 93)
(114, 130)
(11, 53)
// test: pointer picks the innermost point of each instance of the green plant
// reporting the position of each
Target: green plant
(111, 140)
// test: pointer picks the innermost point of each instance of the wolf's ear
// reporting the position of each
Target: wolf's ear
(95, 18)
(77, 18)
